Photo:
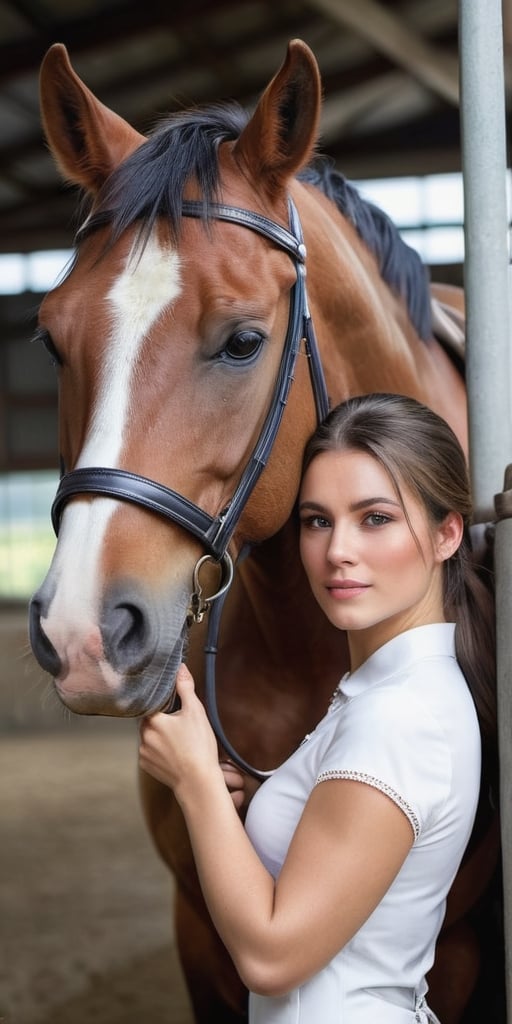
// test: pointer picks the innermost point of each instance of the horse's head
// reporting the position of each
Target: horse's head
(168, 332)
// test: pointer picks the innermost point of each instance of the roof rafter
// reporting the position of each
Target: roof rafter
(390, 35)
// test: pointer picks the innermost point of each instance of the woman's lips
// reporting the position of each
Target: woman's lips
(344, 589)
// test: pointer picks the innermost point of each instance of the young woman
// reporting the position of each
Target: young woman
(331, 898)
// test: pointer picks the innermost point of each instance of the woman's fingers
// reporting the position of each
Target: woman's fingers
(184, 683)
(233, 776)
(235, 782)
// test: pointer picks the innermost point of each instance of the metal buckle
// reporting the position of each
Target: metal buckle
(199, 605)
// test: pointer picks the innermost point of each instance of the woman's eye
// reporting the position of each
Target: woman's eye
(243, 345)
(377, 519)
(315, 523)
(46, 340)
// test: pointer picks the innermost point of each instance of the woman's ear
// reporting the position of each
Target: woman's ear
(449, 536)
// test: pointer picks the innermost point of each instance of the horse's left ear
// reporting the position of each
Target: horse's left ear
(87, 139)
(281, 136)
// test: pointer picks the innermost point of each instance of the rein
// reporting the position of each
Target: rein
(215, 532)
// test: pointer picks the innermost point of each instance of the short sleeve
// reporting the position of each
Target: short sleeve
(387, 739)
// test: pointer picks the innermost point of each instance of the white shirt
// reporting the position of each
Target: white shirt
(405, 723)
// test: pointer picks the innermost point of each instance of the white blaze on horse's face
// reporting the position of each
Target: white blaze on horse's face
(148, 285)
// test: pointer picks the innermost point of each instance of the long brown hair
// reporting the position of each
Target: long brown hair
(420, 452)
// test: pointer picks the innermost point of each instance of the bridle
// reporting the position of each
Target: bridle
(215, 532)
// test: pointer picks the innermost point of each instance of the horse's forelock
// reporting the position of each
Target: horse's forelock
(150, 183)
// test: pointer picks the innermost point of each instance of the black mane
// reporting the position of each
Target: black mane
(150, 184)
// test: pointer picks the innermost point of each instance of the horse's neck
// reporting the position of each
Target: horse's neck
(365, 335)
(366, 338)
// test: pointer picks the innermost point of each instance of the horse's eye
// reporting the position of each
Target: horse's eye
(243, 345)
(46, 339)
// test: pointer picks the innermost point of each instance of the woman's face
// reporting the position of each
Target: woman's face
(368, 572)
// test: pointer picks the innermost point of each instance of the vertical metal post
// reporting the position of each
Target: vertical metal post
(486, 256)
(503, 563)
(488, 353)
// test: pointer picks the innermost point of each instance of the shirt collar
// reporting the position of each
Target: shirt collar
(423, 641)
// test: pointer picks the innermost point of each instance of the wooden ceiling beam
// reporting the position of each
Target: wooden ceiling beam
(390, 35)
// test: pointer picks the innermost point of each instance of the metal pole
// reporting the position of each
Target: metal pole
(488, 354)
(503, 562)
(486, 256)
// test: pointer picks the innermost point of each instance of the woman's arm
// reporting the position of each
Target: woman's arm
(350, 843)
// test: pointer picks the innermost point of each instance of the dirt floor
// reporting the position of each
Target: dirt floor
(85, 903)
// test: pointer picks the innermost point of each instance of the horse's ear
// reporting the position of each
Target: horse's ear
(87, 139)
(281, 135)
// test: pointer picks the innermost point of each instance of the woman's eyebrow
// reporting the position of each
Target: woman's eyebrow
(313, 505)
(356, 506)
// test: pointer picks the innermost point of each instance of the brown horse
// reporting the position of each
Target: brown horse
(177, 332)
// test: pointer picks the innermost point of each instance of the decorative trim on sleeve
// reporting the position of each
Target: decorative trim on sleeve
(370, 780)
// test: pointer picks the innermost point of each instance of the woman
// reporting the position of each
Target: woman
(331, 899)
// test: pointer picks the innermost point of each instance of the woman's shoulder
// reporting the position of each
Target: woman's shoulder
(416, 668)
(427, 698)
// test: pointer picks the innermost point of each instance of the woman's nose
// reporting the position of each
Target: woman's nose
(341, 548)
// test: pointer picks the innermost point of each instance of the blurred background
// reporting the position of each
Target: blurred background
(86, 911)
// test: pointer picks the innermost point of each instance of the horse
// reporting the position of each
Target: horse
(194, 359)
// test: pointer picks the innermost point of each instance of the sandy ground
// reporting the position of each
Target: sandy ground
(85, 903)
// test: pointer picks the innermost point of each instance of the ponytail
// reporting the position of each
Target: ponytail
(469, 602)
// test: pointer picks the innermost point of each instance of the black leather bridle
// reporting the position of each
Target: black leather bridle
(215, 532)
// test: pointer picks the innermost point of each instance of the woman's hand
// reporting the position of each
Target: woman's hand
(241, 786)
(179, 749)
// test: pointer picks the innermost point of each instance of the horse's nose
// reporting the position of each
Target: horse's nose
(128, 632)
(43, 650)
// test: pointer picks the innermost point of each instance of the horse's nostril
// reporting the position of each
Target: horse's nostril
(43, 650)
(127, 626)
(127, 635)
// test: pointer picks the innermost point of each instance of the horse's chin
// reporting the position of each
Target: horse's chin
(99, 704)
(116, 696)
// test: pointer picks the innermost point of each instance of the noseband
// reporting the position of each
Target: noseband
(215, 532)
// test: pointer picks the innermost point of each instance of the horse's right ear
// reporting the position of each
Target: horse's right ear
(87, 139)
(282, 133)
